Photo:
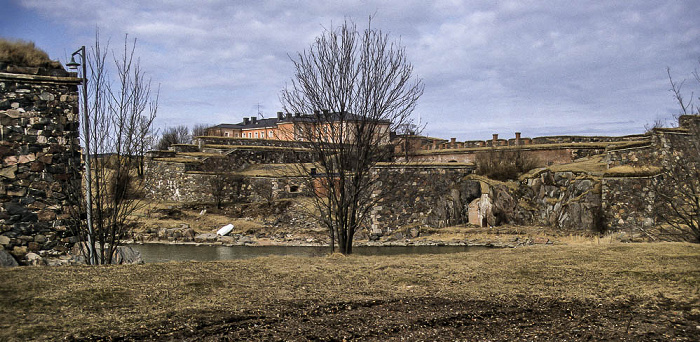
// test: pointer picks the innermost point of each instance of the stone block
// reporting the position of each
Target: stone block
(46, 215)
(34, 259)
(19, 251)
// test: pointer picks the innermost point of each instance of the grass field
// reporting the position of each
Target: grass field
(614, 291)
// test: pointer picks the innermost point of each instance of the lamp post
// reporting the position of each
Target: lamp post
(73, 65)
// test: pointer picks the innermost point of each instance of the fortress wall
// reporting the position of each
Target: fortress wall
(545, 156)
(416, 196)
(627, 203)
(175, 181)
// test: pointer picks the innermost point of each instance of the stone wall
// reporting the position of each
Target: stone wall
(40, 154)
(645, 155)
(211, 140)
(628, 203)
(567, 200)
(421, 195)
(174, 181)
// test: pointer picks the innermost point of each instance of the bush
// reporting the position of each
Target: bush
(504, 164)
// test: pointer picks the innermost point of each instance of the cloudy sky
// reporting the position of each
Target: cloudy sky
(539, 67)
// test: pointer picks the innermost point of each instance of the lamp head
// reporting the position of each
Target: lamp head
(72, 64)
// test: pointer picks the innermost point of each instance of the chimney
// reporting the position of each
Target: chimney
(317, 112)
(495, 140)
(246, 121)
(452, 142)
(280, 115)
(517, 138)
(325, 112)
(253, 120)
(289, 115)
(297, 115)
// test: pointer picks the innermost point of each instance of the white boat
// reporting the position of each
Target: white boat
(225, 230)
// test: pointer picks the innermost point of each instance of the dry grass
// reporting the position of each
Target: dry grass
(179, 160)
(53, 303)
(512, 235)
(23, 53)
(207, 222)
(590, 145)
(632, 171)
(594, 164)
(276, 170)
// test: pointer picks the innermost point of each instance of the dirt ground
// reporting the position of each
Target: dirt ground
(438, 319)
(618, 292)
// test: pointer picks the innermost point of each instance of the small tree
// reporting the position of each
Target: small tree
(501, 164)
(121, 112)
(263, 189)
(223, 184)
(174, 135)
(199, 130)
(359, 87)
(677, 188)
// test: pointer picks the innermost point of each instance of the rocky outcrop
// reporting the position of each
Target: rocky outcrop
(570, 200)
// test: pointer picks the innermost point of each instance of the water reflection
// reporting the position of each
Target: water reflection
(163, 253)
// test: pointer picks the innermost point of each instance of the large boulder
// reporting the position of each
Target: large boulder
(7, 260)
(127, 255)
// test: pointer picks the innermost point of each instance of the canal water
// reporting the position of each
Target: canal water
(164, 253)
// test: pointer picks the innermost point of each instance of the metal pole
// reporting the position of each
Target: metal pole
(88, 171)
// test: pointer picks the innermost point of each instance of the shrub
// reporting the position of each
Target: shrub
(504, 164)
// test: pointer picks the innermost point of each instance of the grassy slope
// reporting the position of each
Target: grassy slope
(156, 299)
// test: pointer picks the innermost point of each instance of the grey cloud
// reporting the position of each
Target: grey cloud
(538, 66)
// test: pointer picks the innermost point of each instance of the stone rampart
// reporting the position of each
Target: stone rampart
(212, 140)
(176, 181)
(522, 141)
(40, 155)
(546, 156)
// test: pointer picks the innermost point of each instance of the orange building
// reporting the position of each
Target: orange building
(297, 127)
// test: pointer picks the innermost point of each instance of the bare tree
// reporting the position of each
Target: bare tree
(677, 188)
(359, 87)
(199, 130)
(121, 113)
(174, 135)
(223, 183)
(262, 188)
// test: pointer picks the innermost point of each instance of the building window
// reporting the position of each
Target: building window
(262, 135)
(225, 134)
(237, 135)
(256, 135)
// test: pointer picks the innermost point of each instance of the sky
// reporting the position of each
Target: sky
(536, 67)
